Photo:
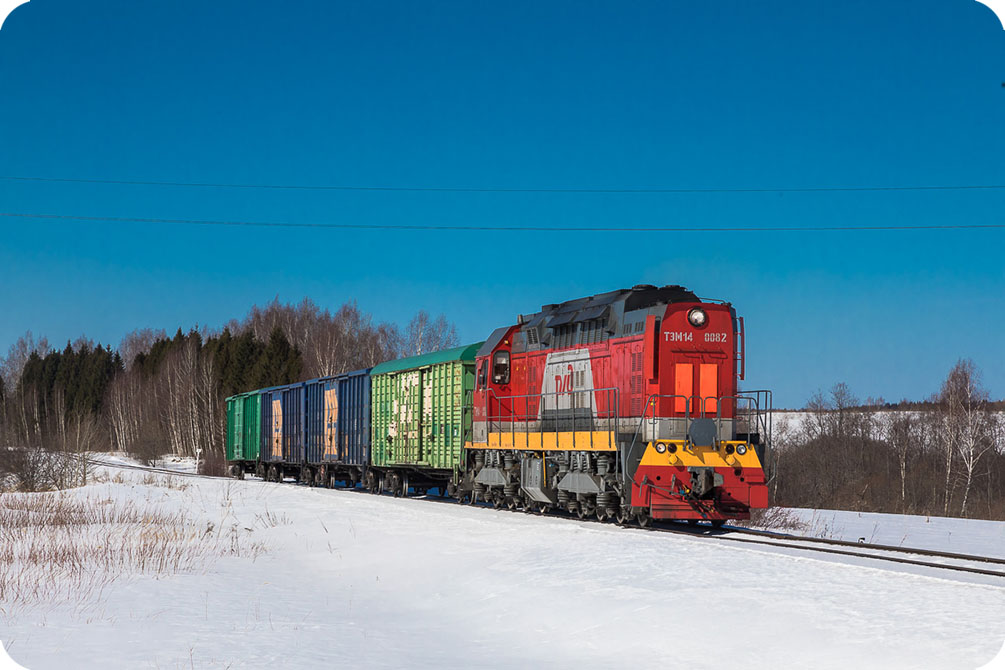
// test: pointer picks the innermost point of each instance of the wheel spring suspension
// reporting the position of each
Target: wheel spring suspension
(605, 499)
(563, 498)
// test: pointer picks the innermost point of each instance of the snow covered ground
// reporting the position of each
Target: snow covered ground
(349, 579)
(963, 536)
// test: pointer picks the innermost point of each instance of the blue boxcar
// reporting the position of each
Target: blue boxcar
(337, 425)
(283, 425)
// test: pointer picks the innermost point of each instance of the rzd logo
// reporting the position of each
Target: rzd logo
(563, 383)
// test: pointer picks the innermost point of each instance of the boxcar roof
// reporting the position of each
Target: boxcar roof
(465, 353)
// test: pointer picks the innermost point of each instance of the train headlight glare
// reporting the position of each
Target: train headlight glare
(741, 449)
(661, 448)
(697, 317)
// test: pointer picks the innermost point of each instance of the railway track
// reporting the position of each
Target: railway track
(145, 468)
(878, 552)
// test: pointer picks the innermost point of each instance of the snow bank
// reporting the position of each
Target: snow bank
(378, 582)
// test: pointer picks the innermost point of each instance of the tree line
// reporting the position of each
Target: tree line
(943, 456)
(158, 395)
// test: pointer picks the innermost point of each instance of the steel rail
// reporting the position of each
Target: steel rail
(856, 554)
(866, 545)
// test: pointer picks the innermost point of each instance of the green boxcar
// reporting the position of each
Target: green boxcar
(244, 426)
(421, 409)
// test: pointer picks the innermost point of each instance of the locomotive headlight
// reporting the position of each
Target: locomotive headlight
(697, 317)
(741, 449)
(661, 448)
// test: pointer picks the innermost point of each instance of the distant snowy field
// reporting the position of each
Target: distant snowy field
(350, 579)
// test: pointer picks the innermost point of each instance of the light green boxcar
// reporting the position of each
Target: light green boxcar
(421, 409)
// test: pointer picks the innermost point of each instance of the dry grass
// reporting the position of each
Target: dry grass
(66, 547)
(774, 518)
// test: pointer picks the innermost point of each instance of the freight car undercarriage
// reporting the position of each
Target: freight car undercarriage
(583, 484)
(624, 476)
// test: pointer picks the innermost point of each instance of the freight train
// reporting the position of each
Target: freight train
(622, 406)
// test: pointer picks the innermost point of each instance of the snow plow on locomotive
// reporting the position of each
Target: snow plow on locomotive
(621, 405)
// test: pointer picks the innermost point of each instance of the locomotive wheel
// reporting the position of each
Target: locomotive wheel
(529, 506)
(497, 500)
(581, 511)
(511, 503)
(643, 519)
(622, 516)
(602, 514)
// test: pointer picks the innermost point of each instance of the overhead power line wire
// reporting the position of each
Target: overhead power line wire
(452, 189)
(557, 229)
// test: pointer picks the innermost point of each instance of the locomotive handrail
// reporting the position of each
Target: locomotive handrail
(764, 400)
(750, 402)
(626, 453)
(611, 415)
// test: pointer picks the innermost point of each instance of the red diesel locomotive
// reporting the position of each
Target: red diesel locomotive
(621, 405)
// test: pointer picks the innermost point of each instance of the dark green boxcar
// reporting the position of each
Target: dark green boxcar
(244, 426)
(421, 410)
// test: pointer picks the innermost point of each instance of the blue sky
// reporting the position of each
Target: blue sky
(603, 95)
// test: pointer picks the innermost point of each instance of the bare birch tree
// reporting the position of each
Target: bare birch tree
(969, 426)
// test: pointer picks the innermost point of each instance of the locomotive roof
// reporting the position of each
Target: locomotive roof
(610, 307)
(595, 306)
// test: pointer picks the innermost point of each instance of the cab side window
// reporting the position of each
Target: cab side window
(483, 374)
(500, 368)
